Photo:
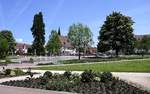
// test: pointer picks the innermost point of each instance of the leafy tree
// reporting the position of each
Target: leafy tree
(54, 44)
(38, 32)
(59, 33)
(80, 37)
(30, 51)
(143, 46)
(3, 47)
(6, 34)
(116, 33)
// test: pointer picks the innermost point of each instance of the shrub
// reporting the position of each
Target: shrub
(8, 60)
(29, 72)
(7, 71)
(67, 74)
(18, 72)
(106, 76)
(62, 85)
(31, 60)
(48, 74)
(43, 80)
(87, 76)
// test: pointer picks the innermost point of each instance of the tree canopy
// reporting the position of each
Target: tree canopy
(8, 36)
(38, 32)
(3, 47)
(54, 44)
(80, 37)
(143, 45)
(59, 32)
(116, 33)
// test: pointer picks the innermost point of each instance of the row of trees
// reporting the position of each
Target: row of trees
(7, 43)
(79, 35)
(115, 34)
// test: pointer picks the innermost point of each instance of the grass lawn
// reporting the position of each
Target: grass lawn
(96, 59)
(122, 66)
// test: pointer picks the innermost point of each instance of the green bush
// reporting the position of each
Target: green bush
(43, 80)
(87, 76)
(62, 85)
(31, 60)
(48, 74)
(67, 74)
(7, 71)
(106, 76)
(8, 61)
(18, 72)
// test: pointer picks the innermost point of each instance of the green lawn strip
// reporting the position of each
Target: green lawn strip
(122, 66)
(87, 60)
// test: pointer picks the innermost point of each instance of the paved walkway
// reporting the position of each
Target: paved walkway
(141, 80)
(20, 90)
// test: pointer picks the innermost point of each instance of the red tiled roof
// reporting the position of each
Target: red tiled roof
(65, 42)
(22, 45)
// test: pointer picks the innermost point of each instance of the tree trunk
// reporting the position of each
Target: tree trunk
(79, 54)
(117, 52)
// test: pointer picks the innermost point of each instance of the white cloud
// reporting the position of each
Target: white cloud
(19, 40)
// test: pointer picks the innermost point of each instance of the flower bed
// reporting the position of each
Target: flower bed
(5, 73)
(86, 83)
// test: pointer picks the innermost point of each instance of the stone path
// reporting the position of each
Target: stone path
(20, 90)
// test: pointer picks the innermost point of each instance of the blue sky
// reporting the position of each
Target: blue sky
(17, 15)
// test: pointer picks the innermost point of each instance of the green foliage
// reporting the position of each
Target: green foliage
(54, 44)
(59, 32)
(62, 85)
(3, 47)
(18, 72)
(6, 34)
(80, 37)
(7, 71)
(38, 32)
(67, 74)
(143, 45)
(87, 76)
(58, 83)
(106, 76)
(30, 51)
(115, 66)
(47, 74)
(8, 61)
(31, 60)
(44, 80)
(116, 33)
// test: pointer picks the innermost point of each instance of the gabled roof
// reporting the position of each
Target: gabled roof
(65, 42)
